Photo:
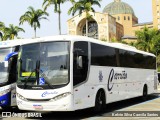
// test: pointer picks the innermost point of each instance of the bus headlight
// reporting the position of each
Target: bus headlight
(21, 97)
(4, 92)
(61, 96)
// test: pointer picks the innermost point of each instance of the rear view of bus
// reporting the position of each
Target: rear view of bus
(8, 63)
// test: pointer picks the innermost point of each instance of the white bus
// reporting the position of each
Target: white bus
(68, 73)
(8, 76)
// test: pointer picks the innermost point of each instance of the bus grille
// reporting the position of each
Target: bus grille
(38, 99)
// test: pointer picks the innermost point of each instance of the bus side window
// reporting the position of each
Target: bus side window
(12, 69)
(80, 62)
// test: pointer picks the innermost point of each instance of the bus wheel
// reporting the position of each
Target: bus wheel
(100, 101)
(145, 93)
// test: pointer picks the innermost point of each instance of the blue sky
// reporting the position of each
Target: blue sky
(11, 10)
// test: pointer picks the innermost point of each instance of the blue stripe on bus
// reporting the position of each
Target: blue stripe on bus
(5, 99)
(10, 55)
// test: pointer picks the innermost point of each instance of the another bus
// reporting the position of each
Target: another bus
(8, 63)
(68, 73)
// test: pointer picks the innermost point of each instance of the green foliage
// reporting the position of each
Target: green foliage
(83, 6)
(33, 17)
(11, 32)
(105, 40)
(158, 63)
(114, 40)
(148, 40)
(2, 26)
(158, 68)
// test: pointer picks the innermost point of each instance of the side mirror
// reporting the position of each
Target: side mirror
(79, 62)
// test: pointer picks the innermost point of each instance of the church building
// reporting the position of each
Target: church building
(117, 21)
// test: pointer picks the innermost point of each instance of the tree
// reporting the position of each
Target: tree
(2, 26)
(158, 63)
(84, 6)
(33, 17)
(148, 40)
(57, 9)
(11, 31)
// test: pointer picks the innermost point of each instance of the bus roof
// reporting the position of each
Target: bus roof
(12, 43)
(74, 38)
(9, 43)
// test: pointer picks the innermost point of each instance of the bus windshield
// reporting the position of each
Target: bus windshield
(53, 58)
(3, 68)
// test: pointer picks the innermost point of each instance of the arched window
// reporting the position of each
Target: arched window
(92, 29)
(124, 17)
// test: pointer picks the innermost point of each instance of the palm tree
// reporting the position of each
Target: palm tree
(2, 26)
(148, 39)
(11, 31)
(33, 17)
(84, 6)
(57, 9)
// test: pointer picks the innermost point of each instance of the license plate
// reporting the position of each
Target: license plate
(38, 107)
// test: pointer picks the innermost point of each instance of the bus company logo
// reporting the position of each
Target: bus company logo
(46, 93)
(100, 76)
(115, 76)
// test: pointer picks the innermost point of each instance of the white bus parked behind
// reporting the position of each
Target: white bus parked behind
(8, 72)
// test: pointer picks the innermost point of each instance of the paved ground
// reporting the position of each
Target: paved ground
(148, 110)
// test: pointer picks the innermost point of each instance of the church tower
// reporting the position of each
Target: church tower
(156, 13)
(123, 13)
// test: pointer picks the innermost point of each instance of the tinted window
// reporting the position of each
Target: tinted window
(136, 60)
(80, 73)
(107, 56)
(16, 48)
(102, 55)
(12, 69)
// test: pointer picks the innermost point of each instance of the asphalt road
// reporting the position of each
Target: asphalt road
(118, 108)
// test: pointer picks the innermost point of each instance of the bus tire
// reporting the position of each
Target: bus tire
(145, 93)
(100, 101)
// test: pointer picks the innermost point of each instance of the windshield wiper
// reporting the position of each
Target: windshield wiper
(37, 74)
(37, 71)
(26, 80)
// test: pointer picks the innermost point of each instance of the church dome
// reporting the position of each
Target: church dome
(118, 7)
